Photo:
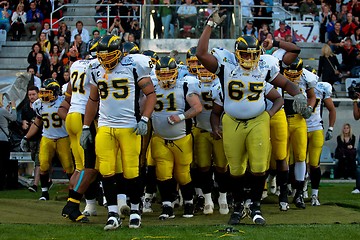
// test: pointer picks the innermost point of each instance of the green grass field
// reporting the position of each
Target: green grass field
(22, 216)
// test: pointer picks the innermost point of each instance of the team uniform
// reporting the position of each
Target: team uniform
(116, 143)
(323, 90)
(172, 145)
(54, 139)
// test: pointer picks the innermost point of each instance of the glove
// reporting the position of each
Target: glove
(329, 134)
(300, 103)
(24, 145)
(142, 127)
(86, 138)
(306, 113)
(214, 19)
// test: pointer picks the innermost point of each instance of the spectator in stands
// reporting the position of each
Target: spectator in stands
(42, 67)
(356, 36)
(136, 31)
(44, 6)
(290, 4)
(328, 66)
(349, 56)
(6, 115)
(249, 29)
(5, 16)
(50, 35)
(18, 22)
(335, 37)
(80, 46)
(134, 12)
(64, 31)
(116, 28)
(55, 66)
(246, 9)
(35, 49)
(263, 32)
(282, 31)
(331, 24)
(27, 117)
(309, 8)
(99, 27)
(95, 34)
(346, 153)
(325, 18)
(226, 10)
(63, 45)
(34, 80)
(157, 23)
(34, 18)
(273, 49)
(121, 9)
(342, 14)
(353, 7)
(348, 27)
(187, 15)
(45, 45)
(166, 13)
(101, 9)
(80, 30)
(356, 113)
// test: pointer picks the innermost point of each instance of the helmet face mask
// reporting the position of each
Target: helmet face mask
(192, 61)
(204, 75)
(294, 70)
(166, 72)
(247, 52)
(108, 51)
(50, 91)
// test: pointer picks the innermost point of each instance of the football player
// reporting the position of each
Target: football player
(208, 149)
(154, 58)
(246, 132)
(72, 110)
(115, 89)
(323, 91)
(297, 139)
(129, 48)
(172, 143)
(55, 139)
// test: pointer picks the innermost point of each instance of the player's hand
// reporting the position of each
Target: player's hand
(216, 134)
(300, 103)
(86, 138)
(24, 145)
(215, 18)
(141, 127)
(173, 119)
(328, 135)
(306, 113)
(267, 44)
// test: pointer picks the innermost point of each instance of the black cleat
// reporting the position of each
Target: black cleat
(188, 210)
(72, 212)
(113, 221)
(167, 213)
(44, 196)
(200, 204)
(256, 215)
(237, 215)
(33, 188)
(299, 201)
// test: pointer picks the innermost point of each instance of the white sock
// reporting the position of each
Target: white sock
(90, 201)
(113, 208)
(134, 206)
(166, 203)
(208, 199)
(199, 192)
(300, 170)
(222, 198)
(189, 201)
(315, 192)
(44, 189)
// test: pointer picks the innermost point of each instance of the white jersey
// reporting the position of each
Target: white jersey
(244, 90)
(203, 118)
(119, 92)
(216, 93)
(323, 90)
(183, 71)
(53, 125)
(172, 101)
(80, 75)
(307, 80)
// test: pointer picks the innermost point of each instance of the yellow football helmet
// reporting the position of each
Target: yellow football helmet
(50, 90)
(294, 70)
(108, 51)
(192, 61)
(166, 71)
(247, 52)
(205, 75)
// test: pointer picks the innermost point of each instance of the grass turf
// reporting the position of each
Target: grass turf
(22, 216)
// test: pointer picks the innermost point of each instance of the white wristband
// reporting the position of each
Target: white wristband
(330, 128)
(181, 116)
(145, 119)
(86, 127)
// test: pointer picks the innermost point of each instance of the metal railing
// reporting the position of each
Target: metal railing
(146, 20)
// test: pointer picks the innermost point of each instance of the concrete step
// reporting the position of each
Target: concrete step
(13, 63)
(15, 52)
